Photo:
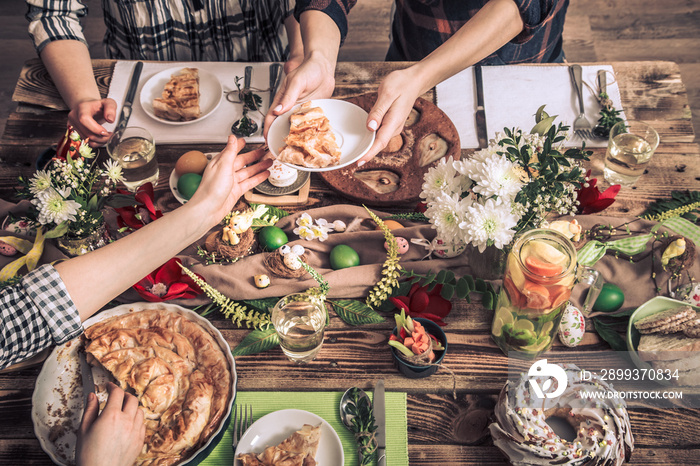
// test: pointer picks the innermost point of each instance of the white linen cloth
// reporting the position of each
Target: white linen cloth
(216, 127)
(513, 93)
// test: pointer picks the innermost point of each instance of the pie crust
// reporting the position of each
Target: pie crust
(299, 449)
(311, 142)
(177, 370)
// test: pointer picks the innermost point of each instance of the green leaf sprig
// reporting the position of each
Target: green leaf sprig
(363, 426)
(608, 116)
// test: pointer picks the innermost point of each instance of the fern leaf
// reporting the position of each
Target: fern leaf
(355, 312)
(257, 341)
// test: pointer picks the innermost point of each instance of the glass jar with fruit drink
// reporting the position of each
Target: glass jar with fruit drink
(540, 274)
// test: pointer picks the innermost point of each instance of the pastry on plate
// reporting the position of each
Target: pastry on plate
(180, 98)
(311, 142)
(177, 370)
(299, 449)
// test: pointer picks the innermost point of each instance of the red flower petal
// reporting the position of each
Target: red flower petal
(419, 301)
(168, 273)
(440, 306)
(400, 303)
(176, 290)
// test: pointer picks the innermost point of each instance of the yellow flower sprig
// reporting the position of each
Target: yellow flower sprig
(678, 212)
(239, 314)
(391, 270)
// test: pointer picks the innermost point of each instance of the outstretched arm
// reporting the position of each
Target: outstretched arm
(119, 265)
(68, 63)
(497, 23)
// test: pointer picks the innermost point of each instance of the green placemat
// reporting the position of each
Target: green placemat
(325, 405)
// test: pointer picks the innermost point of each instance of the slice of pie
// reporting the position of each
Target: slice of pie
(299, 449)
(311, 142)
(177, 370)
(180, 98)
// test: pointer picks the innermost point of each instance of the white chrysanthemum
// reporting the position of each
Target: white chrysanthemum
(74, 136)
(442, 178)
(113, 171)
(86, 151)
(496, 176)
(304, 220)
(55, 207)
(40, 182)
(489, 224)
(446, 213)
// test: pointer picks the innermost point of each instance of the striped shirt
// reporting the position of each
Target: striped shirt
(36, 313)
(172, 30)
(421, 26)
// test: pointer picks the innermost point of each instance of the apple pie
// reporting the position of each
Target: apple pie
(180, 98)
(311, 142)
(299, 449)
(177, 370)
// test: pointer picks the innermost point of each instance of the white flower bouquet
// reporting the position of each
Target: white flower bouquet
(510, 186)
(70, 192)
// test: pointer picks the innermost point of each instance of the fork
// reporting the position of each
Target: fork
(582, 127)
(242, 420)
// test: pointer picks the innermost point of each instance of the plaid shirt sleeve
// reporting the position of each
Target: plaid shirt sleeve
(36, 313)
(51, 20)
(337, 9)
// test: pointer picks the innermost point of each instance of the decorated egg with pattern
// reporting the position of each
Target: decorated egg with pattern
(572, 326)
(447, 249)
(402, 244)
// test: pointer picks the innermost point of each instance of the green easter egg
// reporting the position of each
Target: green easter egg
(610, 299)
(343, 256)
(188, 184)
(272, 237)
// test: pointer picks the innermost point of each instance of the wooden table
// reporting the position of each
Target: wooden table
(437, 423)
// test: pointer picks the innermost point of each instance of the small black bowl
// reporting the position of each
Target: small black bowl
(418, 372)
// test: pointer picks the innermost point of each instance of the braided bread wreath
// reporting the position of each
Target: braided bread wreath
(523, 435)
(175, 361)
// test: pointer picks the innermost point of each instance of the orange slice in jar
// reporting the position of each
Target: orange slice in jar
(536, 296)
(542, 268)
(516, 298)
(560, 294)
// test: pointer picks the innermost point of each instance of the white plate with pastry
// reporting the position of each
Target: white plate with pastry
(210, 94)
(280, 426)
(340, 135)
(57, 402)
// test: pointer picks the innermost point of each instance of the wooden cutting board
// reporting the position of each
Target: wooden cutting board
(396, 173)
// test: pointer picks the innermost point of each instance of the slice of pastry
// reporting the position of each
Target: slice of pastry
(311, 142)
(299, 449)
(180, 98)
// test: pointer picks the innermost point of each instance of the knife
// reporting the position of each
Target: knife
(275, 80)
(128, 102)
(480, 116)
(380, 421)
(86, 375)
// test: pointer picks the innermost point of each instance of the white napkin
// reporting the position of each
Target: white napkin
(216, 127)
(513, 93)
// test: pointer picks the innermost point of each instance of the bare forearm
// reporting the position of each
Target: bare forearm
(68, 63)
(497, 23)
(96, 278)
(296, 45)
(321, 37)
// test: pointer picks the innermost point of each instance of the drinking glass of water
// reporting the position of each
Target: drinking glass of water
(299, 320)
(135, 151)
(630, 147)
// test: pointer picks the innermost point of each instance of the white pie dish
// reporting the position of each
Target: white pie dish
(273, 428)
(349, 124)
(57, 402)
(210, 94)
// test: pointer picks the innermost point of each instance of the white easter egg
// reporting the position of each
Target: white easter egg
(572, 326)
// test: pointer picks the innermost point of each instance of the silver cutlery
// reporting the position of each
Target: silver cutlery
(599, 131)
(380, 421)
(275, 80)
(128, 102)
(245, 126)
(242, 420)
(86, 375)
(480, 116)
(582, 127)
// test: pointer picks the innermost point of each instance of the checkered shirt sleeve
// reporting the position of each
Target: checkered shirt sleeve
(36, 313)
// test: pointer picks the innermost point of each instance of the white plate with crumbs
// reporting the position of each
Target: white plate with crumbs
(348, 122)
(273, 428)
(210, 94)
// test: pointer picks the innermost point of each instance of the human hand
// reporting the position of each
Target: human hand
(396, 96)
(228, 176)
(116, 436)
(312, 79)
(88, 116)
